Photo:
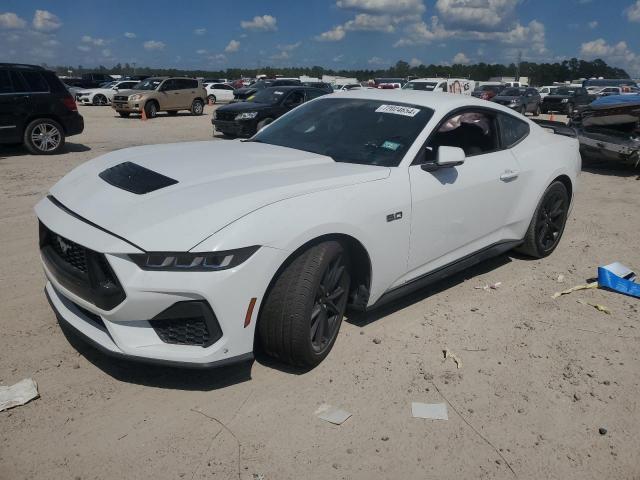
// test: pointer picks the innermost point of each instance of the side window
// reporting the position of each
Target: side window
(295, 98)
(5, 82)
(18, 84)
(227, 87)
(311, 94)
(169, 85)
(444, 86)
(188, 83)
(512, 130)
(472, 131)
(35, 82)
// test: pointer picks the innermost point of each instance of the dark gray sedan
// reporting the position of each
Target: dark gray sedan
(520, 99)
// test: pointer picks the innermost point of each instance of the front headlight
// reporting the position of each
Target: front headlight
(201, 262)
(135, 97)
(564, 100)
(246, 115)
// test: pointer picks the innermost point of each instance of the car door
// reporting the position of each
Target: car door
(223, 92)
(461, 210)
(13, 108)
(188, 91)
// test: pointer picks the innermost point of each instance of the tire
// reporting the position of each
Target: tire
(172, 113)
(546, 227)
(570, 110)
(212, 99)
(100, 100)
(44, 136)
(151, 109)
(523, 110)
(197, 107)
(263, 123)
(298, 324)
(544, 110)
(124, 114)
(538, 111)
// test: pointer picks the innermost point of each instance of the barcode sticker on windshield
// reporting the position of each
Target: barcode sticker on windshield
(398, 110)
(278, 93)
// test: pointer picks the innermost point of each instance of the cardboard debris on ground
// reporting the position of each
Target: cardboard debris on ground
(586, 286)
(331, 414)
(432, 411)
(449, 354)
(18, 394)
(597, 306)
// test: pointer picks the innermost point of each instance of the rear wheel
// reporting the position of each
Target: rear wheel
(197, 107)
(538, 111)
(44, 137)
(548, 222)
(303, 310)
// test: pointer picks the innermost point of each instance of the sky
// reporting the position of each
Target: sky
(337, 34)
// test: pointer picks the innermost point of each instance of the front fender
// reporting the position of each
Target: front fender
(359, 211)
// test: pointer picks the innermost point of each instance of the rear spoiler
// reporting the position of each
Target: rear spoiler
(558, 128)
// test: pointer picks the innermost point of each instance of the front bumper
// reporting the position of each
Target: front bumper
(127, 329)
(132, 107)
(73, 124)
(554, 107)
(245, 128)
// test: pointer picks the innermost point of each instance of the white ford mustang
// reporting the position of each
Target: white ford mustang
(191, 253)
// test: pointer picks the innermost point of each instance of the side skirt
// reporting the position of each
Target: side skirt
(445, 271)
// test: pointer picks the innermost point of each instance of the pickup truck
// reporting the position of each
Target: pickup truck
(566, 100)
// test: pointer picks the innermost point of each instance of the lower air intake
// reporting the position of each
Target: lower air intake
(188, 323)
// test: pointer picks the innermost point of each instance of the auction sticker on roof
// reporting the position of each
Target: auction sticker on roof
(398, 110)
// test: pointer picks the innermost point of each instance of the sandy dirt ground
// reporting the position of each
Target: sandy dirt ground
(539, 376)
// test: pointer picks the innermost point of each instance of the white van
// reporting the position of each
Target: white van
(452, 85)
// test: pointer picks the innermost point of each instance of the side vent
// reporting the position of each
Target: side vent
(135, 179)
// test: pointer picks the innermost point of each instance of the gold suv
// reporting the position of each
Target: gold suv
(161, 94)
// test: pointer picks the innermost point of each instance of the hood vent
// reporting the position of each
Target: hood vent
(135, 179)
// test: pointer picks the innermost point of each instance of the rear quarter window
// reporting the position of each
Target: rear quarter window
(35, 82)
(5, 82)
(512, 130)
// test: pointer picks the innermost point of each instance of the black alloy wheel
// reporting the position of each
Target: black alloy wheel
(100, 100)
(330, 302)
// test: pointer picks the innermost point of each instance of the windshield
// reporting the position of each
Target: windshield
(270, 96)
(427, 86)
(511, 92)
(565, 91)
(367, 132)
(148, 84)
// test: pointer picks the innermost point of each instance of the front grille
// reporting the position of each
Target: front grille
(187, 323)
(121, 98)
(81, 270)
(184, 331)
(225, 116)
(72, 253)
(552, 100)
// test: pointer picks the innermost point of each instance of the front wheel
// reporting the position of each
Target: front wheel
(44, 137)
(303, 310)
(548, 222)
(151, 109)
(197, 107)
(538, 111)
(100, 100)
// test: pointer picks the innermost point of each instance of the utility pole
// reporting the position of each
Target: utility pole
(518, 65)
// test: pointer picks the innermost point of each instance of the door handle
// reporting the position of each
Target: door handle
(509, 175)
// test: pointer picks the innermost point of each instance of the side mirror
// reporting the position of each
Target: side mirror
(447, 157)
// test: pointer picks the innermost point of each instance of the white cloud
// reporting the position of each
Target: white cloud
(477, 14)
(593, 24)
(11, 20)
(289, 47)
(415, 62)
(202, 51)
(618, 54)
(377, 61)
(338, 58)
(633, 12)
(334, 35)
(283, 55)
(106, 52)
(200, 31)
(51, 42)
(98, 42)
(154, 45)
(264, 22)
(365, 21)
(233, 46)
(460, 59)
(130, 35)
(383, 6)
(46, 21)
(84, 48)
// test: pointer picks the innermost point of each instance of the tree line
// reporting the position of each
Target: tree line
(538, 73)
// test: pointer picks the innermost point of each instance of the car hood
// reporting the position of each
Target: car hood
(556, 97)
(506, 98)
(217, 183)
(244, 107)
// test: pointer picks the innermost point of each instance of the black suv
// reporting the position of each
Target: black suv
(246, 118)
(36, 109)
(567, 99)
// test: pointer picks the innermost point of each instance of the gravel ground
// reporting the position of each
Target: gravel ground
(539, 376)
